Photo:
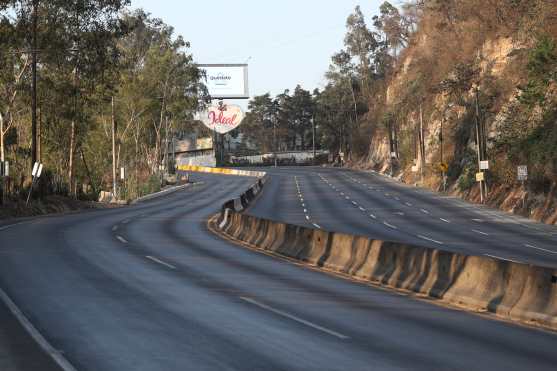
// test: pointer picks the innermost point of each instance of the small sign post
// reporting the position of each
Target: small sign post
(522, 172)
(480, 178)
(36, 174)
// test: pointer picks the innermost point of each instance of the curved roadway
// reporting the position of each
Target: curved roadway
(370, 204)
(147, 287)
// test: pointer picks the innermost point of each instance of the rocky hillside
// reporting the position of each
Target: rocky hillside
(474, 70)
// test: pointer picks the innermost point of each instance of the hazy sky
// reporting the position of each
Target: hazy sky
(285, 42)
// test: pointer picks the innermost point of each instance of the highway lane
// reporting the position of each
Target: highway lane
(149, 288)
(369, 204)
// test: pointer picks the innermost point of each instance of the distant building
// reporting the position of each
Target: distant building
(193, 151)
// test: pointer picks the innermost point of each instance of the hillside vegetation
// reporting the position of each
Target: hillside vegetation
(426, 89)
(475, 70)
(110, 80)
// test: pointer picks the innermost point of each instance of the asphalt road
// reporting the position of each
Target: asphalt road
(370, 204)
(149, 288)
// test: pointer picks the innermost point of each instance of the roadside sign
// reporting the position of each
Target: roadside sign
(40, 170)
(484, 165)
(522, 171)
(35, 169)
(393, 154)
(122, 173)
(443, 167)
(480, 177)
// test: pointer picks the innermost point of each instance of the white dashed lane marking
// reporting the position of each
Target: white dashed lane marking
(152, 258)
(390, 225)
(480, 232)
(294, 318)
(539, 248)
(121, 239)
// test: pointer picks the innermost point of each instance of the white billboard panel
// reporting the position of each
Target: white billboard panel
(226, 81)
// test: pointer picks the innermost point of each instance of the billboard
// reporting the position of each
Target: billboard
(223, 118)
(226, 81)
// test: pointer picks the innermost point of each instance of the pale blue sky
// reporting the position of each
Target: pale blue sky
(289, 41)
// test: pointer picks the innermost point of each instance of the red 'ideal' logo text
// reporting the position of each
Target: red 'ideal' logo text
(221, 118)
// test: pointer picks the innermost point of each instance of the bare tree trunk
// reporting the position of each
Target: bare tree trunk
(113, 151)
(1, 159)
(2, 154)
(422, 145)
(39, 124)
(71, 162)
(137, 164)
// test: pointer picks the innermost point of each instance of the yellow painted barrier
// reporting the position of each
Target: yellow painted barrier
(218, 170)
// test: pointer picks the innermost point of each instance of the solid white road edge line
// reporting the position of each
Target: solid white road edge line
(58, 358)
(160, 262)
(506, 259)
(294, 318)
(316, 225)
(10, 226)
(429, 239)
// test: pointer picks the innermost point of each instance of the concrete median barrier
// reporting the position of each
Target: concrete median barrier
(513, 291)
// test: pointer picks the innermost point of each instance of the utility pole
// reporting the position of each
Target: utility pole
(275, 140)
(478, 143)
(422, 145)
(114, 128)
(444, 166)
(34, 85)
(313, 135)
(165, 157)
(39, 137)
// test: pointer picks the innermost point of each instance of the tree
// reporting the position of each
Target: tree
(392, 25)
(360, 43)
(261, 121)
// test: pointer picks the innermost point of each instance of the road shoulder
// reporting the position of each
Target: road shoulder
(18, 350)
